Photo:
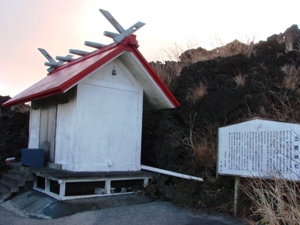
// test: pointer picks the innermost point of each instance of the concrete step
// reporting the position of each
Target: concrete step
(12, 179)
(12, 187)
(17, 176)
(23, 175)
(4, 186)
(19, 167)
(4, 193)
(14, 165)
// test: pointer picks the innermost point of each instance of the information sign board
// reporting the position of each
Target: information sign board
(260, 148)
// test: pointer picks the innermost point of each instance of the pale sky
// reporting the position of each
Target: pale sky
(58, 26)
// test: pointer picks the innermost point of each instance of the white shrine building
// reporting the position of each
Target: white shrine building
(87, 112)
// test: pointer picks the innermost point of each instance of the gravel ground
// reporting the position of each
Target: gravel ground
(157, 212)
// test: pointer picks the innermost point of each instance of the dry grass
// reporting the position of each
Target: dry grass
(276, 202)
(22, 108)
(176, 57)
(172, 65)
(288, 39)
(174, 51)
(283, 104)
(203, 145)
(205, 149)
(236, 47)
(233, 48)
(239, 80)
(197, 92)
(280, 106)
(167, 71)
(292, 76)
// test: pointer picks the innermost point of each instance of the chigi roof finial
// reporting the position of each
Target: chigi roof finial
(52, 63)
(122, 32)
(117, 37)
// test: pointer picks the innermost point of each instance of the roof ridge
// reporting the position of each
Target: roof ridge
(128, 41)
(82, 58)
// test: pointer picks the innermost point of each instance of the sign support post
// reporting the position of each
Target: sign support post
(236, 195)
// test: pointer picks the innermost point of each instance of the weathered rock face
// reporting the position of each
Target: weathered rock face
(216, 93)
(14, 123)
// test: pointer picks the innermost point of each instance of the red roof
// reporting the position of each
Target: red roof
(68, 75)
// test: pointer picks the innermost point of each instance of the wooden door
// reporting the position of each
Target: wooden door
(47, 132)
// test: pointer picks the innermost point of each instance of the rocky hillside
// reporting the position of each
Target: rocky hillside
(14, 123)
(215, 88)
(230, 84)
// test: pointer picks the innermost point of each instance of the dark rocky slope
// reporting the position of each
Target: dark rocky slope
(14, 123)
(261, 81)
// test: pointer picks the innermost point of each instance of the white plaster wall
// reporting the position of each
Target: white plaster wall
(65, 134)
(109, 119)
(34, 128)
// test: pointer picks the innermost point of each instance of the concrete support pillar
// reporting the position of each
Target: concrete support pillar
(108, 186)
(62, 188)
